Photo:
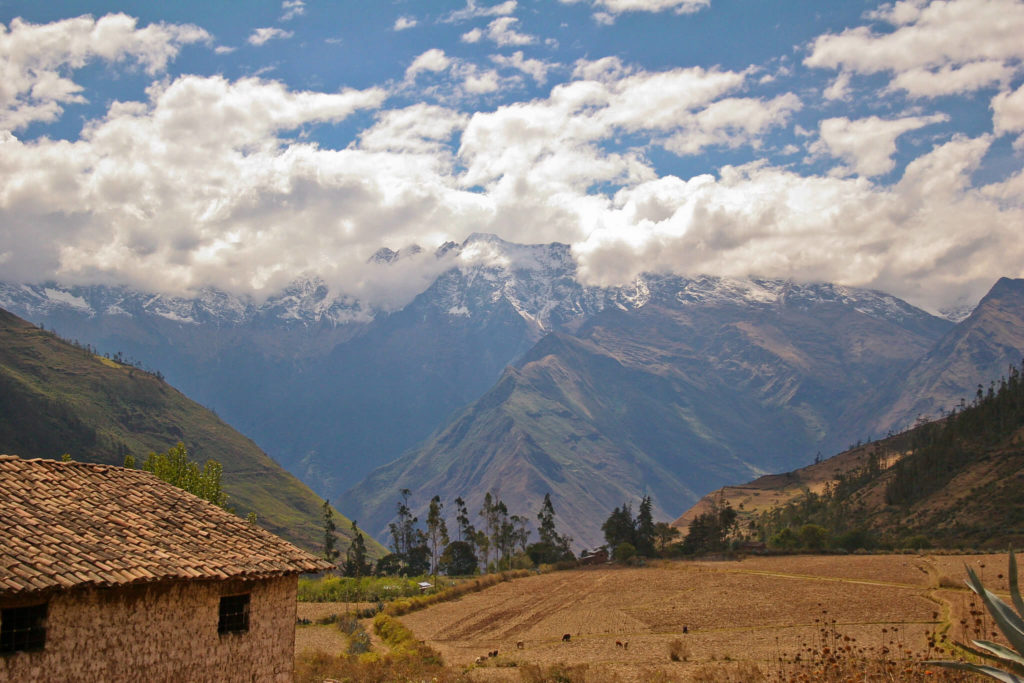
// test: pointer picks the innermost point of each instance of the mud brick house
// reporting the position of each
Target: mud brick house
(110, 574)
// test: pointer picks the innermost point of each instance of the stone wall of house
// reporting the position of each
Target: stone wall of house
(162, 632)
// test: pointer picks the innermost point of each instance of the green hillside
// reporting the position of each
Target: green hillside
(950, 483)
(56, 398)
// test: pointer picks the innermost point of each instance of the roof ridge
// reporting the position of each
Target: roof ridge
(104, 525)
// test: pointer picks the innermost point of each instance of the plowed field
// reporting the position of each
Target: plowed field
(733, 612)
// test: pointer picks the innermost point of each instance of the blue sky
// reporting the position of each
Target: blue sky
(174, 146)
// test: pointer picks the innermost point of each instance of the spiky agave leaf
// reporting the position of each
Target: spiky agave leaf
(1002, 652)
(980, 669)
(1008, 621)
(1014, 590)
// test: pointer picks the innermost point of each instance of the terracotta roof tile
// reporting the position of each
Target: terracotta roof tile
(77, 524)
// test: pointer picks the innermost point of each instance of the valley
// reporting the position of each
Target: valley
(506, 374)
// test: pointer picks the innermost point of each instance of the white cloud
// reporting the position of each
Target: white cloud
(481, 82)
(212, 181)
(292, 9)
(261, 35)
(473, 36)
(35, 59)
(731, 122)
(474, 11)
(952, 80)
(433, 60)
(404, 22)
(921, 239)
(839, 89)
(939, 48)
(421, 129)
(535, 68)
(867, 145)
(224, 50)
(503, 33)
(1008, 111)
(614, 7)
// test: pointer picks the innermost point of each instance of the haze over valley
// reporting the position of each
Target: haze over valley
(595, 249)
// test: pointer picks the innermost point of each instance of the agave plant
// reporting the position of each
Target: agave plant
(1010, 622)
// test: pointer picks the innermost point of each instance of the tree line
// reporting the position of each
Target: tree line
(501, 542)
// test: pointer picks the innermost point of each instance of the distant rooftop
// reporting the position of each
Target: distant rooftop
(71, 524)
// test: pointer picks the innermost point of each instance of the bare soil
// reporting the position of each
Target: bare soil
(735, 613)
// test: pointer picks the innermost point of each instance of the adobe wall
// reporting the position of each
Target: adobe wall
(162, 632)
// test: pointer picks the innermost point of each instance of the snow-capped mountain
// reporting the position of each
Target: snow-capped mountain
(334, 387)
(306, 301)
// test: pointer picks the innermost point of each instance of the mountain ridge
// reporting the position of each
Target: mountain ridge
(57, 398)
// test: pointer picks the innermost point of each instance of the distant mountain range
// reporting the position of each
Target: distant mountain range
(506, 373)
(56, 398)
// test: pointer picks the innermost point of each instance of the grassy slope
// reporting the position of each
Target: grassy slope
(982, 506)
(56, 398)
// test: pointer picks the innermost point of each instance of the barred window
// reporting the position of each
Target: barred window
(22, 629)
(234, 614)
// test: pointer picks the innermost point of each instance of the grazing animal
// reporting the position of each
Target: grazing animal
(519, 645)
(686, 630)
(625, 645)
(479, 660)
(566, 637)
(492, 653)
(618, 643)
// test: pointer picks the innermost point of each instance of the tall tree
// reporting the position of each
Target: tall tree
(403, 530)
(330, 551)
(483, 546)
(546, 529)
(437, 532)
(551, 546)
(620, 527)
(645, 528)
(356, 563)
(664, 533)
(466, 530)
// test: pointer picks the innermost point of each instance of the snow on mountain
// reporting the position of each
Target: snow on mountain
(307, 301)
(538, 281)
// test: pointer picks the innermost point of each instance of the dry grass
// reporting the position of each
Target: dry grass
(792, 618)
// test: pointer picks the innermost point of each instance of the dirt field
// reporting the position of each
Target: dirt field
(736, 612)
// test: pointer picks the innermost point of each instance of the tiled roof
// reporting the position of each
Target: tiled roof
(65, 524)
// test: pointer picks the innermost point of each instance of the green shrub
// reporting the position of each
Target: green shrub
(624, 552)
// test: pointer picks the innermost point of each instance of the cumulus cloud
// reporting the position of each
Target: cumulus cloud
(614, 7)
(404, 22)
(210, 181)
(1008, 113)
(474, 11)
(292, 9)
(215, 209)
(420, 129)
(503, 33)
(433, 60)
(932, 49)
(35, 58)
(535, 68)
(866, 145)
(917, 239)
(262, 35)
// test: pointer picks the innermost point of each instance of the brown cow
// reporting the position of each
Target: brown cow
(566, 637)
(519, 645)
